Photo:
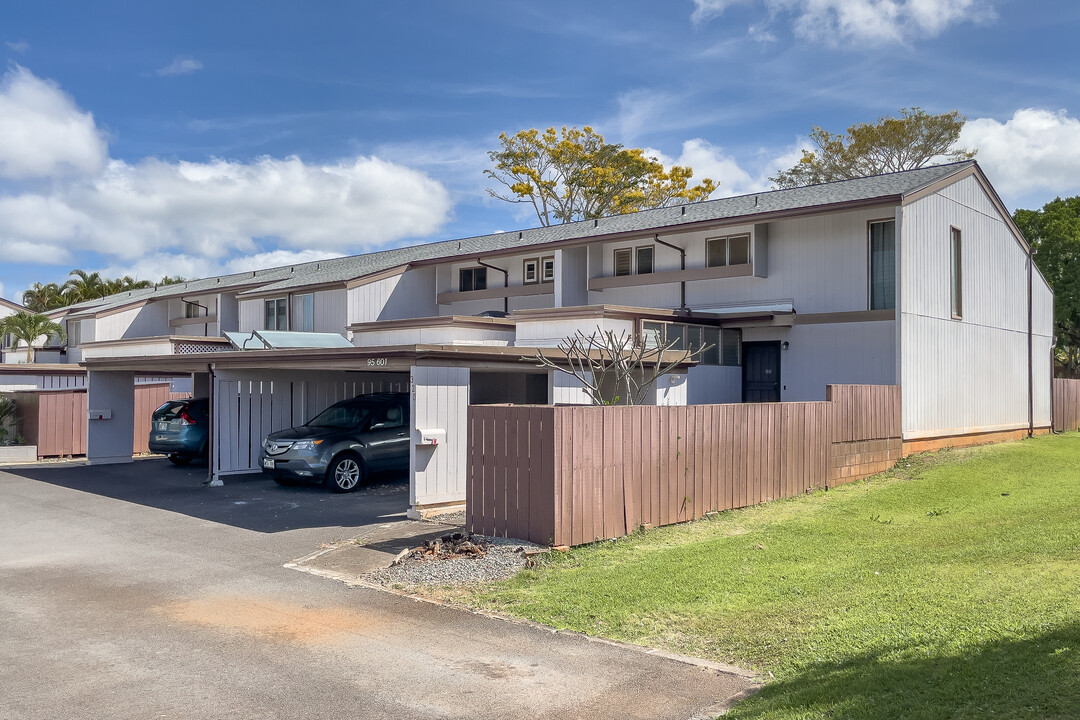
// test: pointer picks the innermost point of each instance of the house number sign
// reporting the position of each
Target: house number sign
(376, 362)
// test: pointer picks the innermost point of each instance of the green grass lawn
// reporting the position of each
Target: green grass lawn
(946, 588)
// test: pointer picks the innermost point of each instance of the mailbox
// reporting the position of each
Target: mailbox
(431, 436)
(99, 414)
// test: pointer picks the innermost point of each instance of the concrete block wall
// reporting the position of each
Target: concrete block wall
(861, 459)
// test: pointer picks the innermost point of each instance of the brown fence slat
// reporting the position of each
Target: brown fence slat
(572, 475)
(1066, 404)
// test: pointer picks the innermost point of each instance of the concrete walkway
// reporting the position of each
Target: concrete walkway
(133, 592)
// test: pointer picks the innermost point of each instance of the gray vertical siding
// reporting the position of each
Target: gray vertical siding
(969, 375)
(440, 400)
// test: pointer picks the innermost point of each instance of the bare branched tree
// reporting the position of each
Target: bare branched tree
(613, 367)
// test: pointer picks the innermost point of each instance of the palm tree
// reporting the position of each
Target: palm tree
(83, 286)
(28, 327)
(41, 298)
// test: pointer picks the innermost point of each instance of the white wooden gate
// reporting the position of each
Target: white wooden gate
(248, 405)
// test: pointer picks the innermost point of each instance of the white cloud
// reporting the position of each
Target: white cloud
(832, 21)
(155, 266)
(18, 46)
(43, 133)
(180, 65)
(710, 161)
(1033, 151)
(210, 209)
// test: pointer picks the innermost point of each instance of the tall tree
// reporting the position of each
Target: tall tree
(41, 298)
(28, 327)
(891, 144)
(572, 174)
(1054, 233)
(83, 286)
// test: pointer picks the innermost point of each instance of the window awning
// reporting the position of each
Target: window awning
(283, 339)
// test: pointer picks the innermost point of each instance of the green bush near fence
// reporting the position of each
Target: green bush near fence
(946, 588)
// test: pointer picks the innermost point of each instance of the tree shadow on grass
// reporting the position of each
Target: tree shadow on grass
(1038, 677)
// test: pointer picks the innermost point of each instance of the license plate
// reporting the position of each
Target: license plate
(268, 463)
(162, 426)
(160, 437)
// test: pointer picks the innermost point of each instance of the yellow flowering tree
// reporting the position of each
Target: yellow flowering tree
(574, 174)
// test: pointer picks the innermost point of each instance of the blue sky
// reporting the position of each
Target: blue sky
(197, 138)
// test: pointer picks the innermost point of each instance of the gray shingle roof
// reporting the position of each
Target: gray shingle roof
(347, 268)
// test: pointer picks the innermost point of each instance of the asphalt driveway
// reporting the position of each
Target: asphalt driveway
(128, 592)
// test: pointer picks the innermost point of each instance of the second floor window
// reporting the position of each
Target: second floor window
(644, 259)
(472, 279)
(277, 317)
(883, 265)
(531, 272)
(631, 261)
(304, 312)
(721, 252)
(191, 310)
(547, 269)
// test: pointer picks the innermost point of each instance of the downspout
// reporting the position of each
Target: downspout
(682, 266)
(1031, 380)
(1053, 344)
(210, 445)
(506, 283)
(206, 326)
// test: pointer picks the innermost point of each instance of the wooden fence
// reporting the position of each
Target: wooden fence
(55, 420)
(1066, 405)
(575, 474)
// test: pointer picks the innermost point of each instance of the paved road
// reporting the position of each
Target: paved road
(134, 592)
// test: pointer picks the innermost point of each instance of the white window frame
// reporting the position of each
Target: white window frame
(545, 264)
(534, 264)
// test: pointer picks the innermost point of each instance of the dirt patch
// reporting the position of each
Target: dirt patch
(267, 619)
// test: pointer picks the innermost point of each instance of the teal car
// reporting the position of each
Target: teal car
(179, 429)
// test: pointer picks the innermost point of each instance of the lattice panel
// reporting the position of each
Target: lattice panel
(187, 348)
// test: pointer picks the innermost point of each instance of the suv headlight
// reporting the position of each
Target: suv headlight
(306, 444)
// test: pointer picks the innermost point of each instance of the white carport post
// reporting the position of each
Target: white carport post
(438, 471)
(110, 428)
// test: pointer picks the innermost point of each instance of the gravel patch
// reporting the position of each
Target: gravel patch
(452, 518)
(504, 558)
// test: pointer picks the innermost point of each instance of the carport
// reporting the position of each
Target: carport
(256, 392)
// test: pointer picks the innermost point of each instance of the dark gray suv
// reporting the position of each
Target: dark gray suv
(342, 444)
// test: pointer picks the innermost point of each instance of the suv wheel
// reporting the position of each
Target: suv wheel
(345, 473)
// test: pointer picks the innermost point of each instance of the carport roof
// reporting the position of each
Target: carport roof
(392, 358)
